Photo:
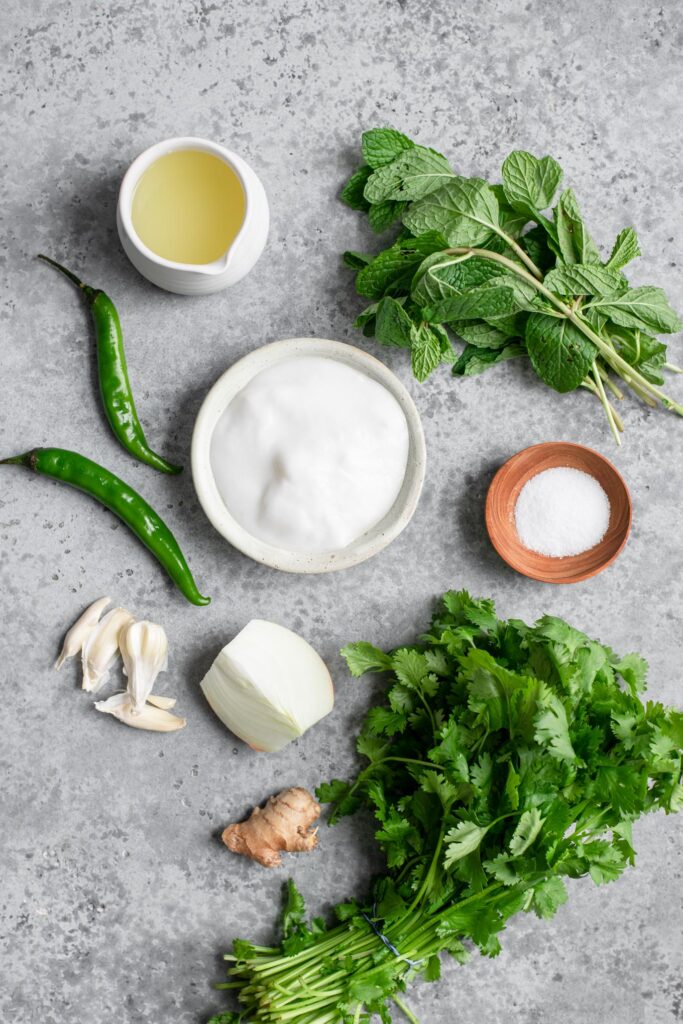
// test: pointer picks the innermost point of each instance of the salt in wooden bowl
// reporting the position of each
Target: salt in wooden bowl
(502, 499)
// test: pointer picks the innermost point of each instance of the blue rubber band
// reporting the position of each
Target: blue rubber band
(387, 942)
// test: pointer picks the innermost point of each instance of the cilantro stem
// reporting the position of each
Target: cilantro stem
(406, 1011)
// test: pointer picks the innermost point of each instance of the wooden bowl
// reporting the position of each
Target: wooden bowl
(502, 498)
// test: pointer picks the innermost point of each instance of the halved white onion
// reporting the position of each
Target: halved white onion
(268, 686)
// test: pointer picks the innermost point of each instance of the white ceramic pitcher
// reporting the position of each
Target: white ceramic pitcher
(193, 278)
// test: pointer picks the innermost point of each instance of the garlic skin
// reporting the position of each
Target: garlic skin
(268, 686)
(81, 630)
(165, 703)
(102, 647)
(153, 719)
(144, 649)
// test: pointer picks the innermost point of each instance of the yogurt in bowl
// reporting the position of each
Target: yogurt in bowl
(308, 455)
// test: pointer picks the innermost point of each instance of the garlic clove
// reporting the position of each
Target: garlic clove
(102, 647)
(144, 649)
(81, 630)
(165, 703)
(154, 719)
(268, 686)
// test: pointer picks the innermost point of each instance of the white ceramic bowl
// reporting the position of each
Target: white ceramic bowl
(193, 278)
(217, 401)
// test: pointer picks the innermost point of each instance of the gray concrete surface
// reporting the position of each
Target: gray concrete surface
(116, 895)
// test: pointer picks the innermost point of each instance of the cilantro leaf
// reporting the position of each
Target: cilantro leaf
(526, 831)
(549, 895)
(362, 657)
(552, 728)
(462, 840)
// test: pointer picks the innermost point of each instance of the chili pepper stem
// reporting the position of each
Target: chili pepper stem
(90, 293)
(17, 460)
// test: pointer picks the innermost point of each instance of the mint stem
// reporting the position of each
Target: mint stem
(608, 352)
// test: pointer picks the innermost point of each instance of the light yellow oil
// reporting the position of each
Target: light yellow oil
(188, 207)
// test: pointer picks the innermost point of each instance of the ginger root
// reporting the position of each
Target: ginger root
(282, 825)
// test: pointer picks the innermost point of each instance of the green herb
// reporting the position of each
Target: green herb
(504, 760)
(494, 266)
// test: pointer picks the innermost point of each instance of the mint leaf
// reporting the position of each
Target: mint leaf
(646, 307)
(479, 333)
(465, 211)
(426, 350)
(356, 260)
(575, 244)
(440, 276)
(585, 279)
(535, 243)
(530, 183)
(625, 249)
(639, 349)
(412, 175)
(560, 354)
(383, 215)
(474, 360)
(382, 145)
(393, 325)
(352, 193)
(472, 305)
(510, 220)
(395, 266)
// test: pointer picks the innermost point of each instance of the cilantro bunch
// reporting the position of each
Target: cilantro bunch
(485, 264)
(505, 759)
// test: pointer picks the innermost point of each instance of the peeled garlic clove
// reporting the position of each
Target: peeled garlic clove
(268, 686)
(144, 649)
(102, 647)
(165, 703)
(81, 630)
(150, 718)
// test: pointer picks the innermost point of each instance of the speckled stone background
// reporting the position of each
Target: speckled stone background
(116, 895)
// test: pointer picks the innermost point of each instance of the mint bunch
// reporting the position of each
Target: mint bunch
(497, 268)
(504, 760)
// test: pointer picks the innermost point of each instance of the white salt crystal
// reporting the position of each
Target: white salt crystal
(561, 512)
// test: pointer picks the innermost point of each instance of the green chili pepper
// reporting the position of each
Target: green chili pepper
(117, 397)
(74, 469)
